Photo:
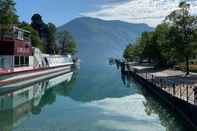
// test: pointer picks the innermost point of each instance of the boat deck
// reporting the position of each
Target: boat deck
(25, 76)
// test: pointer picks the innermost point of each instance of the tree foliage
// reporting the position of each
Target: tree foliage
(38, 24)
(47, 33)
(51, 39)
(71, 48)
(68, 43)
(183, 32)
(173, 41)
(8, 15)
(150, 48)
(130, 53)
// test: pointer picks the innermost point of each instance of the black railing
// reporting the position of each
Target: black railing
(185, 90)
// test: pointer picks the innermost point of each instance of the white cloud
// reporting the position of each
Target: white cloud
(151, 12)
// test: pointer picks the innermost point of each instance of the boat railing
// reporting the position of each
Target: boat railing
(14, 33)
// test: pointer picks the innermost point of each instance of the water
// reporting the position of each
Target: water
(93, 98)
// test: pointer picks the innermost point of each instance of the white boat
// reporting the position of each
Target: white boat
(22, 63)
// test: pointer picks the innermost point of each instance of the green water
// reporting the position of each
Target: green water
(92, 98)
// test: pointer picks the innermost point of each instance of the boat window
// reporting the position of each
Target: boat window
(26, 61)
(2, 62)
(26, 94)
(22, 61)
(16, 61)
(20, 35)
(22, 96)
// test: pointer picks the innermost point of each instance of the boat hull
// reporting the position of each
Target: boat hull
(22, 78)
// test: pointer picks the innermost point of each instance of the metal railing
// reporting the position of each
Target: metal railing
(14, 33)
(185, 90)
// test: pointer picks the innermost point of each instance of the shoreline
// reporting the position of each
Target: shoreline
(171, 86)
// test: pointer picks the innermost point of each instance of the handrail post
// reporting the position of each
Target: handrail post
(152, 78)
(174, 86)
(195, 94)
(187, 93)
(146, 75)
(180, 91)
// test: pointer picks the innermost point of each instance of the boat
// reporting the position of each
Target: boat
(21, 63)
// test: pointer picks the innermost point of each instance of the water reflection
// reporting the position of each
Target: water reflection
(17, 105)
(97, 83)
(94, 99)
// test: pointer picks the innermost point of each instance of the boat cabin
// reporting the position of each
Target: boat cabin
(15, 50)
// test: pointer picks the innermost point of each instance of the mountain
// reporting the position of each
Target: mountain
(97, 40)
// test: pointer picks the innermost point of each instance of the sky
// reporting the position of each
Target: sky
(59, 12)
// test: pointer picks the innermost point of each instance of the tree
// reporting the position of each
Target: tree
(47, 33)
(183, 28)
(38, 24)
(71, 48)
(51, 38)
(68, 44)
(161, 39)
(130, 53)
(8, 16)
(152, 46)
(149, 47)
(145, 48)
(173, 41)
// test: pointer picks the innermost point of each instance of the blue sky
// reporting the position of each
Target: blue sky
(151, 12)
(57, 11)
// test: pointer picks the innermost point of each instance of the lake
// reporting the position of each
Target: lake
(92, 98)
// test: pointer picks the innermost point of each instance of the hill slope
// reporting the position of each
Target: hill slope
(98, 40)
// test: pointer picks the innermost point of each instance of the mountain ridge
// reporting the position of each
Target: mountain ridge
(97, 39)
